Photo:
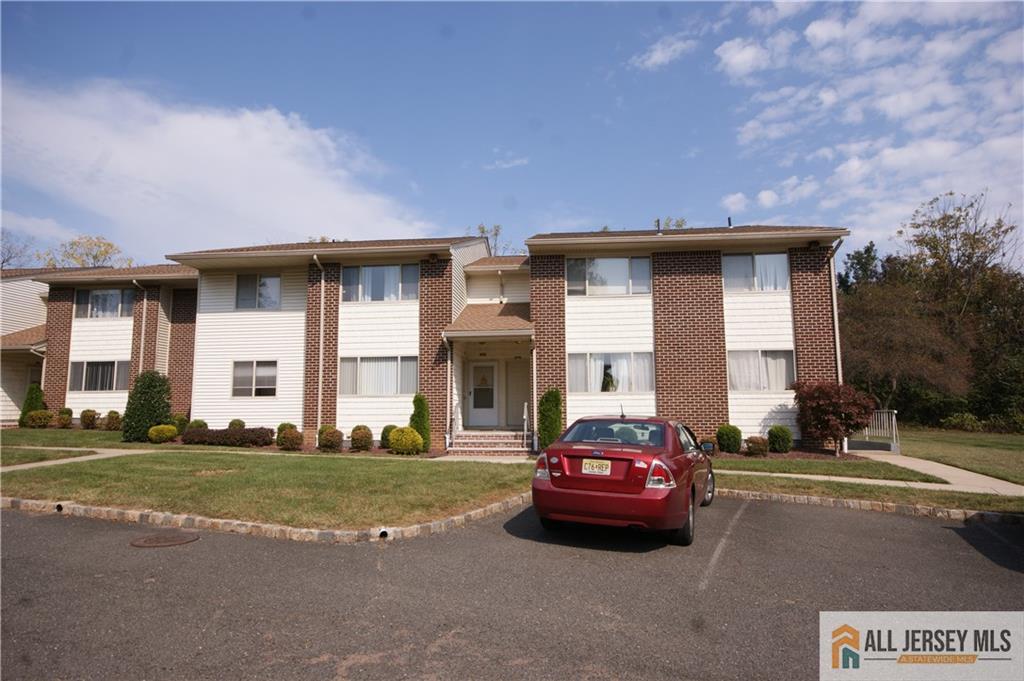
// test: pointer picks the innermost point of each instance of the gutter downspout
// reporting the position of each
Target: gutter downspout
(835, 322)
(142, 338)
(320, 354)
(448, 400)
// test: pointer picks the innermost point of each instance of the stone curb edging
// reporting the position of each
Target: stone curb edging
(271, 531)
(920, 510)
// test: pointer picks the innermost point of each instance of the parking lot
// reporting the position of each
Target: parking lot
(496, 599)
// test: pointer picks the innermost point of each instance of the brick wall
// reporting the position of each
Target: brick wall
(328, 407)
(813, 326)
(435, 315)
(60, 310)
(547, 310)
(182, 351)
(690, 368)
(148, 301)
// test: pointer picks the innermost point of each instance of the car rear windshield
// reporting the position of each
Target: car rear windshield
(621, 431)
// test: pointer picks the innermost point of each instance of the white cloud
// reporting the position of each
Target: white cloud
(767, 198)
(166, 177)
(734, 203)
(823, 32)
(1008, 48)
(505, 160)
(825, 153)
(44, 229)
(791, 190)
(767, 15)
(741, 57)
(663, 52)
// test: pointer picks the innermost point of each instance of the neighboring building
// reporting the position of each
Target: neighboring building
(708, 325)
(22, 337)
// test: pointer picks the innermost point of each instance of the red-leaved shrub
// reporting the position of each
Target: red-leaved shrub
(830, 411)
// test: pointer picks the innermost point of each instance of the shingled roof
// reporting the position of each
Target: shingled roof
(493, 317)
(24, 339)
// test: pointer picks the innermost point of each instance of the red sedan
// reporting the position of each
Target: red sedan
(648, 473)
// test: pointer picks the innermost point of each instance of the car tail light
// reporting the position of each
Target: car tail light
(660, 476)
(542, 472)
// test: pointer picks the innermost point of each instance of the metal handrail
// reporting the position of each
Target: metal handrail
(526, 423)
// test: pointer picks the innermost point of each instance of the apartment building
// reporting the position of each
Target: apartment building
(708, 325)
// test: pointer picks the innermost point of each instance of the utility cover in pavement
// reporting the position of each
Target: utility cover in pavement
(157, 541)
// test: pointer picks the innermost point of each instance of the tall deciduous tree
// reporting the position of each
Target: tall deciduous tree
(15, 250)
(85, 251)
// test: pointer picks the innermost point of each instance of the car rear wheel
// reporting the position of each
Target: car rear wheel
(709, 493)
(684, 535)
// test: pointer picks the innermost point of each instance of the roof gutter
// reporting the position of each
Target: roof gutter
(666, 237)
(310, 252)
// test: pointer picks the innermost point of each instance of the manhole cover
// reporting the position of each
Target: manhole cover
(157, 541)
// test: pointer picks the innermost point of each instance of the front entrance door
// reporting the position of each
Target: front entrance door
(483, 394)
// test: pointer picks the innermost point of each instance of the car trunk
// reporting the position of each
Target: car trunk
(593, 467)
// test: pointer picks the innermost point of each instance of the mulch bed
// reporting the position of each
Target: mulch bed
(815, 456)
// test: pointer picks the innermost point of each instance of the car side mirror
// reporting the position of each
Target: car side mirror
(708, 447)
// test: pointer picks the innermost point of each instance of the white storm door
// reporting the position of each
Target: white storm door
(483, 394)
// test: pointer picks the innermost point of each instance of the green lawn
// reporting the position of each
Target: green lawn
(12, 456)
(996, 454)
(854, 469)
(335, 492)
(73, 437)
(850, 490)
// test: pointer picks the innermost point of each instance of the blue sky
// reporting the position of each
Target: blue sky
(170, 127)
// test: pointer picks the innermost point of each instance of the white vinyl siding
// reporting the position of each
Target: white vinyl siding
(22, 304)
(487, 287)
(15, 372)
(579, 405)
(462, 255)
(373, 412)
(225, 335)
(99, 339)
(755, 413)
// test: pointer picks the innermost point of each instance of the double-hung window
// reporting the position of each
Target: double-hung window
(98, 376)
(761, 370)
(380, 283)
(611, 372)
(608, 276)
(254, 379)
(378, 375)
(104, 303)
(258, 291)
(757, 272)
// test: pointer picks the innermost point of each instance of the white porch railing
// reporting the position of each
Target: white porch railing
(882, 428)
(526, 424)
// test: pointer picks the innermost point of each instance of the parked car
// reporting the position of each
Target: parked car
(647, 473)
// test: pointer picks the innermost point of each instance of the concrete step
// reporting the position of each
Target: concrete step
(489, 451)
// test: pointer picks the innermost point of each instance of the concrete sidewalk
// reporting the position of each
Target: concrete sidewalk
(101, 453)
(955, 476)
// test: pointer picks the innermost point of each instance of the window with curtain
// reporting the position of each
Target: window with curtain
(378, 375)
(757, 272)
(258, 291)
(380, 283)
(104, 303)
(98, 376)
(611, 372)
(761, 370)
(254, 379)
(608, 276)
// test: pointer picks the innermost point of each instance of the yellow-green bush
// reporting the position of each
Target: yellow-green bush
(406, 440)
(162, 433)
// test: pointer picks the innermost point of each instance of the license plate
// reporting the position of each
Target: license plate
(597, 467)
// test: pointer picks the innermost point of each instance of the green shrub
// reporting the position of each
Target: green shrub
(1012, 422)
(962, 421)
(113, 420)
(88, 419)
(289, 439)
(33, 402)
(385, 435)
(323, 429)
(549, 418)
(229, 437)
(196, 423)
(149, 404)
(162, 433)
(40, 418)
(406, 440)
(63, 419)
(729, 438)
(420, 419)
(180, 422)
(757, 445)
(330, 440)
(281, 427)
(361, 439)
(780, 439)
(236, 423)
(65, 411)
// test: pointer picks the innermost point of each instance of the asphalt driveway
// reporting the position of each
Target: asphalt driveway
(497, 599)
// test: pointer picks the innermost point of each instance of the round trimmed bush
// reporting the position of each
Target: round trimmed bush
(757, 445)
(729, 438)
(330, 440)
(780, 439)
(361, 439)
(64, 418)
(406, 440)
(385, 434)
(289, 439)
(33, 402)
(113, 420)
(236, 423)
(88, 419)
(197, 423)
(179, 421)
(40, 418)
(165, 432)
(285, 426)
(149, 404)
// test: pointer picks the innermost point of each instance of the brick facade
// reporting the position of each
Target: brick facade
(60, 310)
(813, 325)
(147, 304)
(547, 310)
(435, 314)
(181, 355)
(690, 367)
(311, 404)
